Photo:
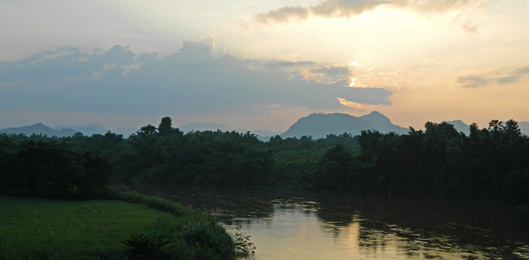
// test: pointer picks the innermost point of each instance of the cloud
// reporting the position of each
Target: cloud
(483, 80)
(508, 79)
(354, 105)
(341, 71)
(522, 71)
(348, 8)
(473, 81)
(196, 79)
(469, 28)
(284, 14)
(330, 74)
(329, 8)
(434, 6)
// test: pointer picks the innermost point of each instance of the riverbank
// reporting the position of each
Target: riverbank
(127, 226)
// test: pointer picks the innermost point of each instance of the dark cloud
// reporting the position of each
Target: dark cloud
(197, 79)
(348, 8)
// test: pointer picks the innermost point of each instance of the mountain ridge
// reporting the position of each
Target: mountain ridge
(319, 125)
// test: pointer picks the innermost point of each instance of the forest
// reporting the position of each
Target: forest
(490, 164)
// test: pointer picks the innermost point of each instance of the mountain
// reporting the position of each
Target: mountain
(204, 127)
(320, 125)
(460, 126)
(39, 129)
(88, 130)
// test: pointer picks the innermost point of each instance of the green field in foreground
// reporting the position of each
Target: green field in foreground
(81, 226)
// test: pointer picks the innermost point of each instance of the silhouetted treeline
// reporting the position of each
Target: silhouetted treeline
(48, 168)
(490, 164)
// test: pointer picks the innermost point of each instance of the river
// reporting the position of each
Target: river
(331, 226)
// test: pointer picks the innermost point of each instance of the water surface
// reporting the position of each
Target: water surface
(308, 226)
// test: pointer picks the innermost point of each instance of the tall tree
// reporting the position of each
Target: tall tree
(165, 126)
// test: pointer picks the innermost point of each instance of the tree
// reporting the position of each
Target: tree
(335, 169)
(165, 126)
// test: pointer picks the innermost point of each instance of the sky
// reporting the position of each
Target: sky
(261, 65)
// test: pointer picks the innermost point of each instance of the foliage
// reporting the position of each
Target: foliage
(51, 169)
(490, 163)
(192, 236)
(142, 247)
(210, 157)
(243, 246)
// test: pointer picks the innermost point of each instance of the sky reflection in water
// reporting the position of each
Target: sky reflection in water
(341, 227)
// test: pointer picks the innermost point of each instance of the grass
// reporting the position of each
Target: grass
(81, 226)
(173, 208)
(97, 229)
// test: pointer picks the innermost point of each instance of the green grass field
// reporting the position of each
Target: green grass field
(32, 228)
(95, 225)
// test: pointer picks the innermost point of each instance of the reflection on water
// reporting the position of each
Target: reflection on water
(284, 226)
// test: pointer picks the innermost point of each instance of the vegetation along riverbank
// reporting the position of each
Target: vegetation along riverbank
(55, 203)
(488, 164)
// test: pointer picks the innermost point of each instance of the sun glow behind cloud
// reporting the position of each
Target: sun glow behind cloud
(453, 59)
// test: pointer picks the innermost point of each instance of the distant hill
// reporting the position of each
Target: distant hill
(204, 127)
(39, 129)
(320, 125)
(88, 130)
(460, 126)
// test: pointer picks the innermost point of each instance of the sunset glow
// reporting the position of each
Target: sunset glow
(440, 60)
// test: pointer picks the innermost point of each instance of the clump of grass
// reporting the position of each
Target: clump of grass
(189, 236)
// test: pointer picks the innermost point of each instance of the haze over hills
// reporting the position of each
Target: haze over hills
(460, 126)
(320, 125)
(38, 129)
(85, 129)
(204, 127)
(524, 127)
(317, 125)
